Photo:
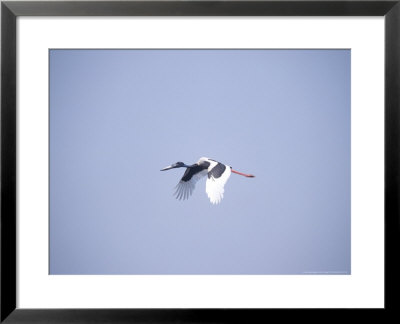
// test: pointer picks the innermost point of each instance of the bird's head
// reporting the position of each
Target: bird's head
(176, 165)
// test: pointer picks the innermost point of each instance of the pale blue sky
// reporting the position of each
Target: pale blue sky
(118, 116)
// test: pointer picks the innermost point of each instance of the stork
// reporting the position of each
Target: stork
(217, 175)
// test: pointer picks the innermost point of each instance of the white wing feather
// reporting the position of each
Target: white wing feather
(215, 187)
(184, 189)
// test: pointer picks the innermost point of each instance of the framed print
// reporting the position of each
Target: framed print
(106, 106)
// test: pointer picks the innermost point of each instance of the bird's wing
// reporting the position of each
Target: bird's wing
(217, 177)
(185, 187)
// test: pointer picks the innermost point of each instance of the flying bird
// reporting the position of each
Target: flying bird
(217, 175)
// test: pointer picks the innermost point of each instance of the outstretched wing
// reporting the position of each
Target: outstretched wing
(185, 187)
(217, 178)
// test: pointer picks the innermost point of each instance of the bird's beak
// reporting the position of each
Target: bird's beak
(168, 167)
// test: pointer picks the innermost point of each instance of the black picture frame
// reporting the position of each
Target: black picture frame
(10, 10)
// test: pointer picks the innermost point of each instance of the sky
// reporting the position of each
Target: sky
(118, 116)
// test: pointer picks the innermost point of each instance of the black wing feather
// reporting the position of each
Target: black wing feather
(190, 172)
(217, 171)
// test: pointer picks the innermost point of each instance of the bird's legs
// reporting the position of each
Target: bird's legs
(243, 174)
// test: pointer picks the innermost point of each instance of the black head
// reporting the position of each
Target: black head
(179, 164)
(176, 165)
